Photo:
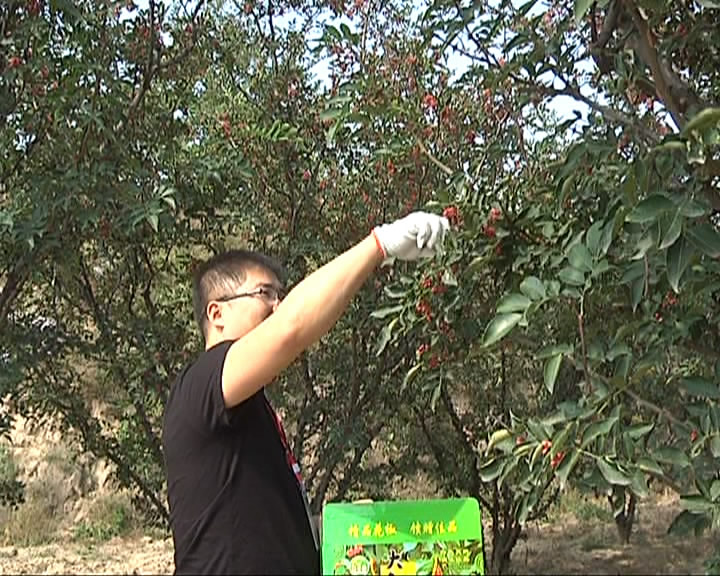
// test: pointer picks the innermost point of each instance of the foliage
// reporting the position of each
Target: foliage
(568, 336)
(11, 487)
(110, 516)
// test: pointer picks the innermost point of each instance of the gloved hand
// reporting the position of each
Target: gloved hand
(417, 235)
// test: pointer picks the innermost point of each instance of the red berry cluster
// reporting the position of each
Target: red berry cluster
(430, 101)
(424, 309)
(557, 459)
(670, 300)
(453, 215)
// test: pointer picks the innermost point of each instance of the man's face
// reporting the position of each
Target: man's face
(235, 314)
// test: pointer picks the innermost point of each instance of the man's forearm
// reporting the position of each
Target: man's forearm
(317, 302)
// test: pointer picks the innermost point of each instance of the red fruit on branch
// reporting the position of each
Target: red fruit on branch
(520, 440)
(670, 300)
(452, 214)
(693, 435)
(15, 62)
(427, 282)
(546, 445)
(439, 289)
(489, 231)
(557, 459)
(422, 349)
(430, 101)
(495, 214)
(424, 309)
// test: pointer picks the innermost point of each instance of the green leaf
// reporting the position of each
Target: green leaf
(491, 470)
(673, 232)
(498, 437)
(670, 455)
(678, 259)
(715, 490)
(513, 303)
(567, 465)
(385, 312)
(499, 327)
(697, 386)
(581, 7)
(553, 350)
(706, 238)
(696, 503)
(607, 237)
(153, 221)
(572, 276)
(533, 288)
(593, 238)
(552, 367)
(693, 208)
(612, 474)
(649, 465)
(636, 292)
(385, 336)
(649, 209)
(580, 258)
(639, 485)
(703, 119)
(410, 376)
(715, 446)
(639, 431)
(687, 522)
(598, 429)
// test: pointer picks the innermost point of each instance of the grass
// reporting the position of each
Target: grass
(583, 507)
(110, 515)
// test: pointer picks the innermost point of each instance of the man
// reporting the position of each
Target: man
(237, 502)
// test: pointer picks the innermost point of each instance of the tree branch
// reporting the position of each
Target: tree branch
(646, 49)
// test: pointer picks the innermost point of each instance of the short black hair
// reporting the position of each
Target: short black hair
(221, 274)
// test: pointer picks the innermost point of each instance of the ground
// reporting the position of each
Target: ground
(574, 542)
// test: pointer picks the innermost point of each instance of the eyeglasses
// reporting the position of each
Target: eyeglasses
(268, 293)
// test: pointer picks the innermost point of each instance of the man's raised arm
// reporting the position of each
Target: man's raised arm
(312, 308)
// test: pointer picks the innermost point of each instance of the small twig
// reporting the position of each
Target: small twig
(581, 330)
(446, 169)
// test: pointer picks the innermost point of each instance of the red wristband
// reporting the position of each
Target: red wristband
(377, 241)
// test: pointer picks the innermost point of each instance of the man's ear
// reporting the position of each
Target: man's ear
(214, 314)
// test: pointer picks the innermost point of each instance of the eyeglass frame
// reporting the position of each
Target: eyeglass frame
(265, 289)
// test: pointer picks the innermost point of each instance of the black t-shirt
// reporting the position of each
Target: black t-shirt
(235, 504)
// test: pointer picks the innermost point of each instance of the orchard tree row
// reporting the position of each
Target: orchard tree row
(568, 336)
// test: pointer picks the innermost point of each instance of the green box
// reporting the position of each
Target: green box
(403, 537)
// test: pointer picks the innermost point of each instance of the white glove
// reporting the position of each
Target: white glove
(417, 235)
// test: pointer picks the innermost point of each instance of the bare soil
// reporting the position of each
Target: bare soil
(566, 546)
